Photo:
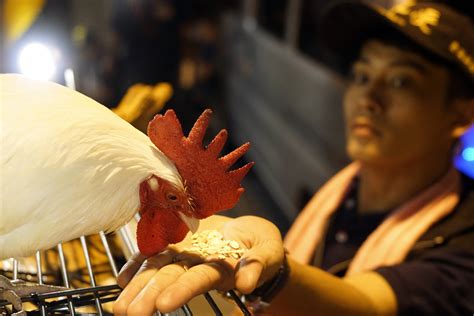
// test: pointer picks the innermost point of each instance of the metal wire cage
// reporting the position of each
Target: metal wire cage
(78, 278)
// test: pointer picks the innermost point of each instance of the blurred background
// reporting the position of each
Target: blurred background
(256, 63)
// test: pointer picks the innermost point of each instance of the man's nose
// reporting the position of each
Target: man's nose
(370, 100)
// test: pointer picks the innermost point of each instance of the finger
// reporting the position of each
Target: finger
(139, 263)
(197, 280)
(259, 264)
(129, 269)
(248, 274)
(131, 291)
(141, 279)
(144, 302)
(160, 260)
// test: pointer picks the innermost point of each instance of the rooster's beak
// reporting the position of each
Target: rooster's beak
(191, 222)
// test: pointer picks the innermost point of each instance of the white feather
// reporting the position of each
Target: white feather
(69, 166)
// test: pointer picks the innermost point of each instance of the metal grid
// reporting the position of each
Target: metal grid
(82, 300)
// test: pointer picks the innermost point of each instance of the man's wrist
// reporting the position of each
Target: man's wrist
(261, 297)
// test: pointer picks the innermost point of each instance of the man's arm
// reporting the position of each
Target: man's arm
(163, 284)
(311, 291)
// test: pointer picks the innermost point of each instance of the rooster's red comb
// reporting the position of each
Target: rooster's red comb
(210, 183)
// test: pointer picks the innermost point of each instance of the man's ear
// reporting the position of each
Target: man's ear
(464, 116)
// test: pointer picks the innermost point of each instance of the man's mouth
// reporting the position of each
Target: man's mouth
(364, 128)
(191, 222)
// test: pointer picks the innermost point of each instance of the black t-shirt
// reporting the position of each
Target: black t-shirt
(437, 277)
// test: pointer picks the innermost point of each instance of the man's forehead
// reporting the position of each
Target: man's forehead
(375, 50)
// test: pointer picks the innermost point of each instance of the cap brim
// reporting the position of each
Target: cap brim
(346, 25)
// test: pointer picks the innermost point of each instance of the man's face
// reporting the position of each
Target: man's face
(395, 107)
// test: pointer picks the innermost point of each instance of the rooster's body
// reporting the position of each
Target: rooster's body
(70, 167)
(94, 152)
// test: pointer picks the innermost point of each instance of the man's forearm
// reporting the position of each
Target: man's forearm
(311, 291)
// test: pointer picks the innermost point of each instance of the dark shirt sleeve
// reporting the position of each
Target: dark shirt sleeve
(441, 282)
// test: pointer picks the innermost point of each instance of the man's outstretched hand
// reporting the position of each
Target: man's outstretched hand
(173, 277)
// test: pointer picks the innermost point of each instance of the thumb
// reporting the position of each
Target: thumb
(248, 275)
(259, 264)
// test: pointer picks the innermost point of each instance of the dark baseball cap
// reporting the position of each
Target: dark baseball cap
(436, 26)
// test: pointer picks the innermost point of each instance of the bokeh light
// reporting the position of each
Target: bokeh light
(37, 61)
(464, 161)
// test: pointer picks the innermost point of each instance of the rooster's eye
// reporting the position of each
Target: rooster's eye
(171, 197)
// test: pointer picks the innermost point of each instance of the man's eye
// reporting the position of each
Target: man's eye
(399, 82)
(358, 77)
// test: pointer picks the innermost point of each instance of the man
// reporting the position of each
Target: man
(396, 227)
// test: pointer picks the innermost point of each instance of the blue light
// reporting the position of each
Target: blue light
(464, 161)
(468, 154)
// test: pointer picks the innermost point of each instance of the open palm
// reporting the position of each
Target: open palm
(170, 279)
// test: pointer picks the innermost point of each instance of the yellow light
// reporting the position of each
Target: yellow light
(37, 61)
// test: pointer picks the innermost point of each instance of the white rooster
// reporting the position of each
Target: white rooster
(70, 167)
